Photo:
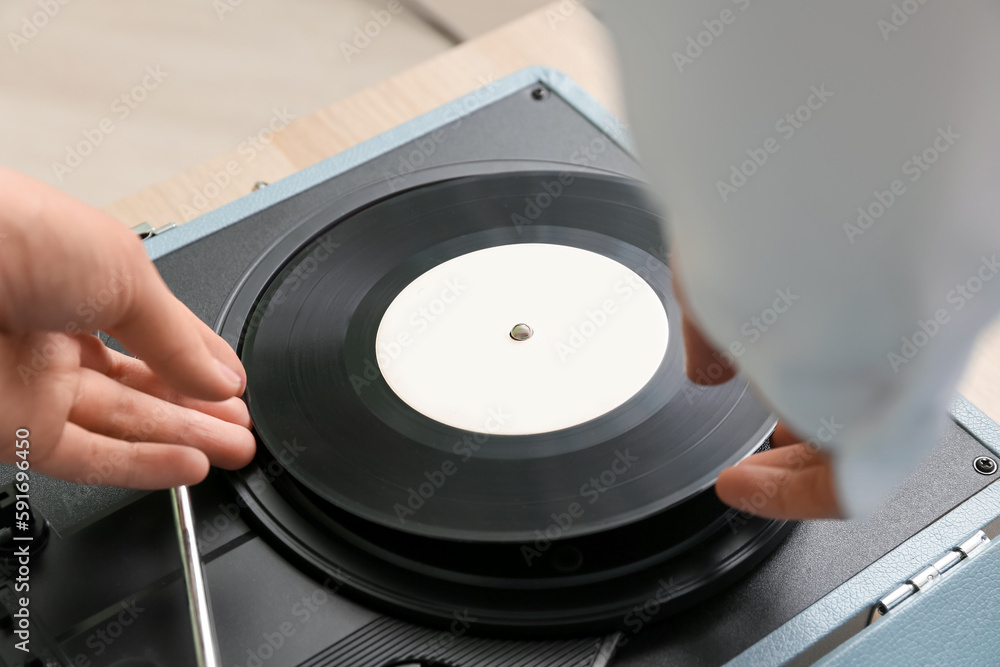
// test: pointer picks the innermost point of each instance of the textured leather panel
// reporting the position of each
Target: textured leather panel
(863, 590)
(973, 420)
(953, 623)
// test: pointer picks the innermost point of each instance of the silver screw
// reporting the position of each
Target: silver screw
(521, 332)
(984, 465)
(539, 93)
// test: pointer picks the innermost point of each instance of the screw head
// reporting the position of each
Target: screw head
(539, 93)
(521, 332)
(258, 185)
(984, 465)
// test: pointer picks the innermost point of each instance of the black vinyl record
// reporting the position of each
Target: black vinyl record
(321, 407)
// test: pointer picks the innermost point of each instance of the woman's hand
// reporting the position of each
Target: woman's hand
(96, 416)
(792, 480)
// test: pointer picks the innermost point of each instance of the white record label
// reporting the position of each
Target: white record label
(595, 334)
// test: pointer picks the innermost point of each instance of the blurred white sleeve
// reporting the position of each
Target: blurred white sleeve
(831, 172)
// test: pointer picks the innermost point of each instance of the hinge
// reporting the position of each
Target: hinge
(144, 230)
(929, 576)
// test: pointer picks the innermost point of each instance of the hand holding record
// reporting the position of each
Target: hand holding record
(802, 475)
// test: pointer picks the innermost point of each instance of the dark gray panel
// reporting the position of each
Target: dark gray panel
(279, 619)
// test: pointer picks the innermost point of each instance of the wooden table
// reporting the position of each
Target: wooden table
(563, 35)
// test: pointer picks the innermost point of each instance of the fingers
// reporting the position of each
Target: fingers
(178, 346)
(793, 482)
(90, 458)
(106, 407)
(136, 374)
(71, 268)
(702, 362)
(783, 436)
(789, 481)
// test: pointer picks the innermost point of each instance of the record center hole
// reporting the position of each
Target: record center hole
(567, 558)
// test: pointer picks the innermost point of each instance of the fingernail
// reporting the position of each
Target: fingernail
(232, 377)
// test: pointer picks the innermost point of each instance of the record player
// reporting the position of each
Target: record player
(477, 446)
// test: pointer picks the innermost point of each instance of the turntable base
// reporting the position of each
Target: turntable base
(281, 598)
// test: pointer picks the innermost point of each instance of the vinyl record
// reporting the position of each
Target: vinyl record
(485, 358)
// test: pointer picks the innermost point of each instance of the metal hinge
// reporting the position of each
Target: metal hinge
(144, 230)
(929, 576)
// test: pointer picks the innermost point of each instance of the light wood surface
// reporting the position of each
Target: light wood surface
(574, 43)
(224, 71)
(467, 19)
(981, 383)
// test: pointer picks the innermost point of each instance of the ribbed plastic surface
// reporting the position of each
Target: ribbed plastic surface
(387, 641)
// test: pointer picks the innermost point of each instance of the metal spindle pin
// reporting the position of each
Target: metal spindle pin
(521, 332)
